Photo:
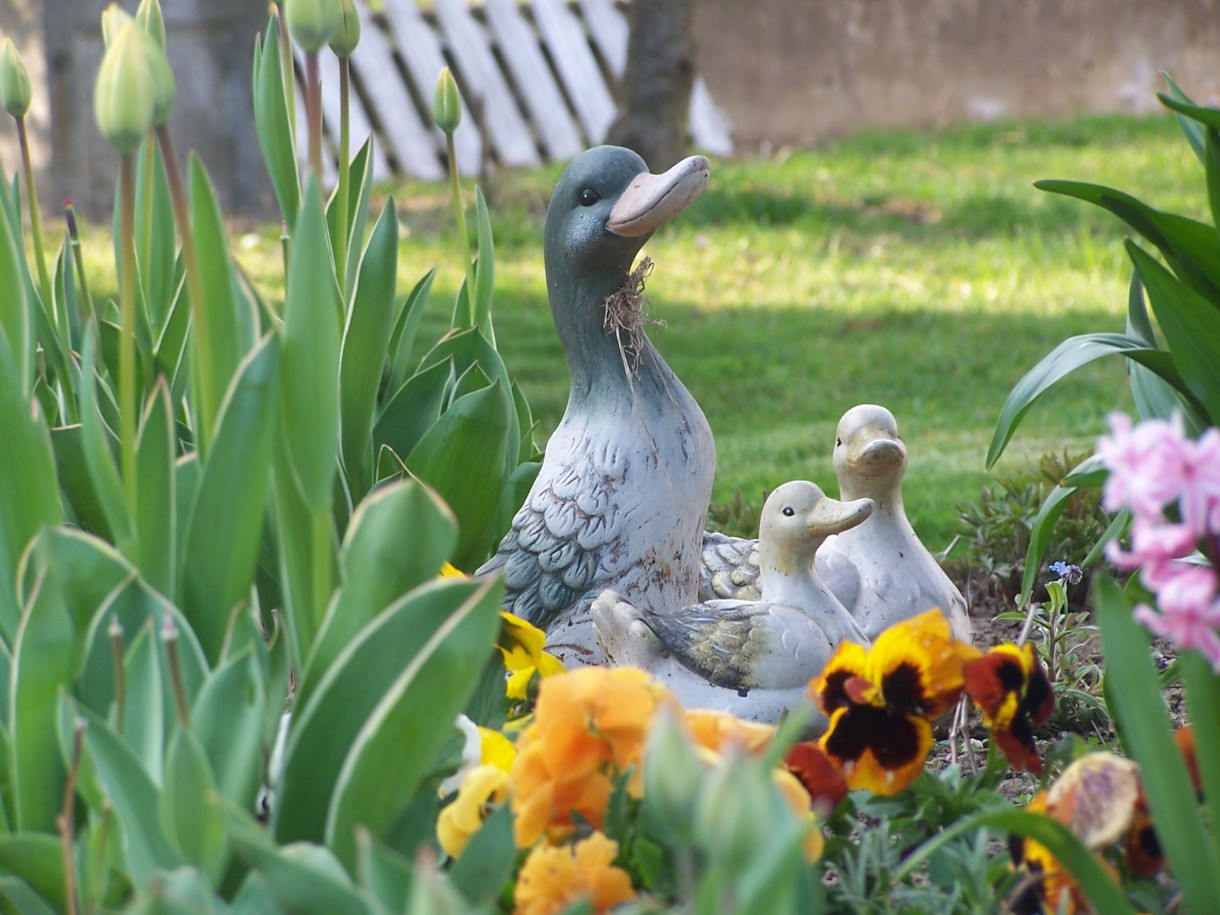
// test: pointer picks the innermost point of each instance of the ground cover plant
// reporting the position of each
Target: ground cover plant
(235, 507)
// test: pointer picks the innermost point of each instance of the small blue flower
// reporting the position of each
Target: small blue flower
(1068, 572)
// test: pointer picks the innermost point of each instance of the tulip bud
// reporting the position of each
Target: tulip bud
(312, 23)
(732, 816)
(114, 17)
(164, 88)
(671, 769)
(124, 97)
(150, 19)
(447, 102)
(14, 80)
(345, 39)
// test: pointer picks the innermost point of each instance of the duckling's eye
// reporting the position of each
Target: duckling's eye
(789, 511)
(588, 197)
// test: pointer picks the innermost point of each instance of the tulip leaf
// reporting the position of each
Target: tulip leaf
(368, 326)
(1203, 703)
(155, 237)
(377, 779)
(462, 458)
(29, 497)
(360, 186)
(413, 409)
(273, 122)
(39, 859)
(310, 359)
(156, 524)
(189, 813)
(347, 693)
(1134, 698)
(485, 268)
(1064, 359)
(397, 540)
(134, 796)
(98, 442)
(228, 715)
(144, 726)
(486, 863)
(1191, 325)
(22, 899)
(303, 878)
(383, 873)
(14, 309)
(226, 520)
(406, 327)
(82, 504)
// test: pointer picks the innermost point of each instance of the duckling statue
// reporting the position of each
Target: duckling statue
(752, 657)
(899, 577)
(622, 494)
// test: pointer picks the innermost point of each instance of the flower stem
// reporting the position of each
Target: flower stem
(200, 337)
(40, 258)
(65, 822)
(78, 257)
(169, 635)
(459, 209)
(313, 111)
(115, 632)
(128, 413)
(345, 169)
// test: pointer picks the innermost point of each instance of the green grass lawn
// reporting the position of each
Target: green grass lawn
(921, 271)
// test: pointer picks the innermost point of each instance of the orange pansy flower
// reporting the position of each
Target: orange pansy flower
(555, 877)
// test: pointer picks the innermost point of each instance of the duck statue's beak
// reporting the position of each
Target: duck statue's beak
(652, 200)
(830, 516)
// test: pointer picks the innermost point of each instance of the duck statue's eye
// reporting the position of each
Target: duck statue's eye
(588, 197)
(838, 443)
(789, 511)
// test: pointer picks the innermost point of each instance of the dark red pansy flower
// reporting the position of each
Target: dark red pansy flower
(1009, 686)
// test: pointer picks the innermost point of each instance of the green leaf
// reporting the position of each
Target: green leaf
(1190, 247)
(484, 269)
(146, 847)
(99, 445)
(383, 873)
(304, 879)
(274, 123)
(38, 859)
(377, 570)
(1202, 687)
(1192, 129)
(486, 864)
(310, 359)
(1153, 396)
(363, 358)
(144, 725)
(360, 188)
(43, 665)
(402, 340)
(82, 504)
(413, 409)
(14, 309)
(226, 522)
(189, 812)
(156, 522)
(29, 497)
(377, 779)
(1064, 359)
(155, 236)
(1089, 473)
(228, 715)
(1191, 326)
(1135, 701)
(348, 692)
(20, 899)
(1103, 893)
(462, 458)
(224, 326)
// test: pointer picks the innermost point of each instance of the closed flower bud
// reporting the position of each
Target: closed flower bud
(447, 102)
(345, 39)
(14, 80)
(150, 18)
(732, 818)
(114, 17)
(124, 97)
(312, 23)
(671, 769)
(164, 88)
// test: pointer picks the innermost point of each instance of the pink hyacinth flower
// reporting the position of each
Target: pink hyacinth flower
(1189, 612)
(1146, 464)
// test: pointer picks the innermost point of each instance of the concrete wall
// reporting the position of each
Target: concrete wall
(210, 46)
(800, 71)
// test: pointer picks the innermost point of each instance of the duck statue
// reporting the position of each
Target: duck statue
(754, 658)
(899, 576)
(881, 571)
(621, 497)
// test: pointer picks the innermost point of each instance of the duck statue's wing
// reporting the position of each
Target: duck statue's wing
(714, 639)
(558, 549)
(729, 568)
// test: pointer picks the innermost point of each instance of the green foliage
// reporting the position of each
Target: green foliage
(221, 525)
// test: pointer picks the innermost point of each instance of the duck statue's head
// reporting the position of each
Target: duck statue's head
(604, 208)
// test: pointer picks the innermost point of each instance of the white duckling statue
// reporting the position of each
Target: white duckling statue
(898, 576)
(752, 657)
(622, 494)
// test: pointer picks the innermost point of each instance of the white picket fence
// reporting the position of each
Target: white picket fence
(541, 73)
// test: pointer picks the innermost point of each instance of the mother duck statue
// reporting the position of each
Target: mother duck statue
(621, 497)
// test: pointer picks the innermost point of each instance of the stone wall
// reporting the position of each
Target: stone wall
(21, 20)
(800, 71)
